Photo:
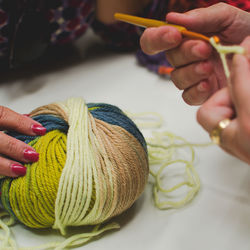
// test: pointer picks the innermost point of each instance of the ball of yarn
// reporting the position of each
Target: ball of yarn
(93, 165)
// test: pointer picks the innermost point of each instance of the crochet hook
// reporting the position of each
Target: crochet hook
(146, 23)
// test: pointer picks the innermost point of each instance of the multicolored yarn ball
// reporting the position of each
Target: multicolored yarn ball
(93, 165)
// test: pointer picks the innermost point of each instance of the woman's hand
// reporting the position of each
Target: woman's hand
(13, 151)
(232, 102)
(198, 70)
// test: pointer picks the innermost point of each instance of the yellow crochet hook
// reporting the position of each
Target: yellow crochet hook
(146, 23)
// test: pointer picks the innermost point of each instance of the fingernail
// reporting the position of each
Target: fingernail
(38, 129)
(30, 155)
(28, 115)
(18, 169)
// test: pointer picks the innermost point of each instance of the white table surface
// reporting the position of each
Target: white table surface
(219, 216)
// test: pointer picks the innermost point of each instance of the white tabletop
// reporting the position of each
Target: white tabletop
(218, 217)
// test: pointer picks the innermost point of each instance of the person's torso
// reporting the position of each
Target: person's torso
(63, 21)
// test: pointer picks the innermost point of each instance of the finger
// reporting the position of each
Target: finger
(17, 149)
(10, 120)
(197, 94)
(218, 107)
(239, 138)
(188, 52)
(205, 20)
(155, 40)
(11, 168)
(192, 74)
(240, 75)
(200, 92)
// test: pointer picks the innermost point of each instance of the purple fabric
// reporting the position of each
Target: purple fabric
(152, 62)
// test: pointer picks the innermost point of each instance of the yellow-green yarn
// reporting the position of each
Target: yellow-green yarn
(165, 150)
(224, 50)
(34, 203)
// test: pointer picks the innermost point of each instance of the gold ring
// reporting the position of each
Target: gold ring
(216, 132)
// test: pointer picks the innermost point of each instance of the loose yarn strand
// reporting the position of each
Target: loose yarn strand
(80, 239)
(73, 241)
(223, 51)
(155, 120)
(6, 239)
(167, 155)
(163, 151)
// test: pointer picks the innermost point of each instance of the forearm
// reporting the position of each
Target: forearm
(105, 9)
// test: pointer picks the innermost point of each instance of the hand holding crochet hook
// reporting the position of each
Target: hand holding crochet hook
(198, 70)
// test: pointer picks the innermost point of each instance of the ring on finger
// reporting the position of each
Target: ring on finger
(215, 134)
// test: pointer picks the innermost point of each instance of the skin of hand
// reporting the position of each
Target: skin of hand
(13, 151)
(105, 9)
(198, 69)
(232, 102)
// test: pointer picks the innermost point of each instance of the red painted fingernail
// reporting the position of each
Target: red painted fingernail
(38, 129)
(18, 169)
(27, 115)
(30, 155)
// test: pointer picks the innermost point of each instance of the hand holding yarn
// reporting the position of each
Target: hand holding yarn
(93, 165)
(232, 102)
(14, 152)
(198, 70)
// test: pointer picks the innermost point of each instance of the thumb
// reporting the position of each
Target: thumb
(205, 20)
(240, 81)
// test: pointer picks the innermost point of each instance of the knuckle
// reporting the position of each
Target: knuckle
(12, 145)
(2, 112)
(222, 6)
(21, 122)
